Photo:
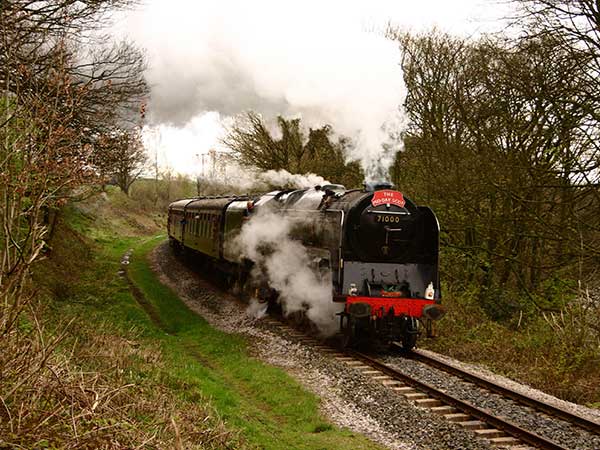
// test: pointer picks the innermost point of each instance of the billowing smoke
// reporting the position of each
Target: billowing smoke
(247, 180)
(287, 267)
(312, 59)
(283, 178)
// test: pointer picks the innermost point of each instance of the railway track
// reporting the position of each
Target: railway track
(518, 397)
(496, 430)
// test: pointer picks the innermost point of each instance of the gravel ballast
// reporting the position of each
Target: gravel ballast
(556, 430)
(349, 399)
(352, 400)
(583, 411)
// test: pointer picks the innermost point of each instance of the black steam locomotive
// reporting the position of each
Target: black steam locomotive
(379, 249)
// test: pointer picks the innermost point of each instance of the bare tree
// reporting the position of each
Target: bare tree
(124, 156)
(509, 156)
(575, 23)
(54, 105)
(253, 143)
(295, 151)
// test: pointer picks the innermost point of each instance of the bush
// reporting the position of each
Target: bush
(557, 352)
(152, 195)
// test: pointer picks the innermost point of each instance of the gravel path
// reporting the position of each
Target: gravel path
(349, 398)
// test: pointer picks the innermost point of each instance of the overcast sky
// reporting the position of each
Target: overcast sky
(316, 59)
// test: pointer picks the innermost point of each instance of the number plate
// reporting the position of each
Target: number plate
(387, 218)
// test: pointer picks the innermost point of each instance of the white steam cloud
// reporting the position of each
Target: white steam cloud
(256, 181)
(284, 178)
(312, 59)
(288, 268)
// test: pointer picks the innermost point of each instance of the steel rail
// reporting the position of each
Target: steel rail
(507, 392)
(510, 428)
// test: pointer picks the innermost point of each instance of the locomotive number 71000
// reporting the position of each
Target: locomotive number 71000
(388, 219)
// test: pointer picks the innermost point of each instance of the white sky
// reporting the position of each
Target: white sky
(211, 60)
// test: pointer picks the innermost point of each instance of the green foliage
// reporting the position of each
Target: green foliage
(492, 149)
(557, 293)
(503, 305)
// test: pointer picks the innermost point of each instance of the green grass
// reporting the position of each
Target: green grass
(271, 409)
(182, 356)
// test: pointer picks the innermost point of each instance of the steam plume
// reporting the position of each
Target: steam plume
(309, 58)
(288, 268)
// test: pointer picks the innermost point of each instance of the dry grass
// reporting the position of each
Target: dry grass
(72, 376)
(49, 398)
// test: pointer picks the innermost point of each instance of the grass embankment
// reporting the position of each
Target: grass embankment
(176, 382)
(271, 409)
(557, 354)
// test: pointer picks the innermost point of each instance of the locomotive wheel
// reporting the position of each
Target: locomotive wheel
(349, 333)
(410, 334)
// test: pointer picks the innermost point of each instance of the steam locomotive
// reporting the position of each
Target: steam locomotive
(377, 247)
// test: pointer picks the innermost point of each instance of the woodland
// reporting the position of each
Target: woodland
(502, 142)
